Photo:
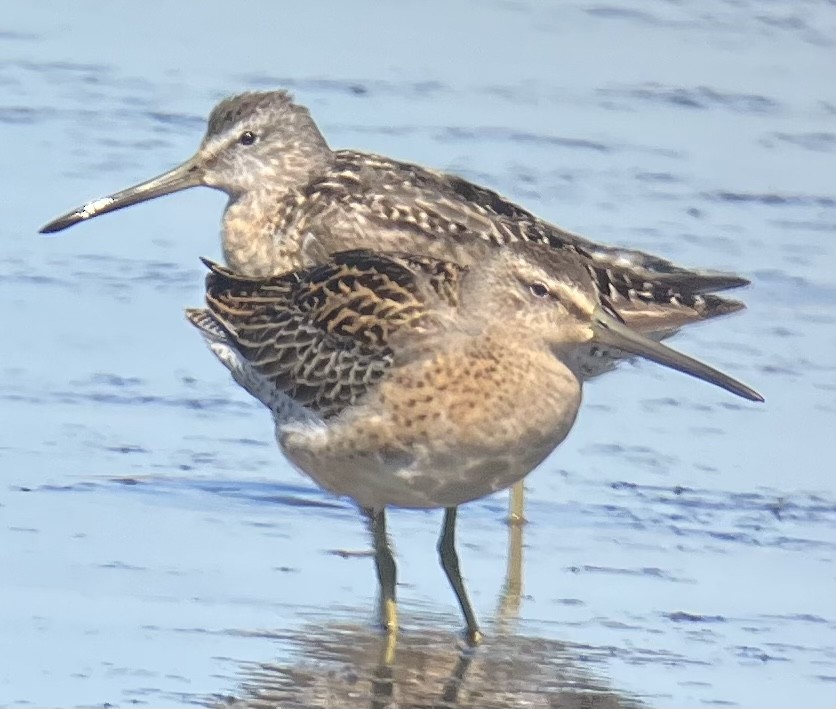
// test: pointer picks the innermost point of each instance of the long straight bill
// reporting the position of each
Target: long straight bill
(610, 332)
(180, 178)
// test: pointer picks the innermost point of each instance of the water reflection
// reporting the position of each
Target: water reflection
(341, 665)
(508, 609)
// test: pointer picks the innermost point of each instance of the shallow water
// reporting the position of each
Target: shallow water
(156, 548)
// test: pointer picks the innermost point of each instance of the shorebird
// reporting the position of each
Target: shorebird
(293, 201)
(404, 380)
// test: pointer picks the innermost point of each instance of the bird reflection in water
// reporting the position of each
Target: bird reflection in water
(343, 665)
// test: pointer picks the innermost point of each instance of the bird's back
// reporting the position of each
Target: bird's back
(389, 195)
(374, 202)
(322, 337)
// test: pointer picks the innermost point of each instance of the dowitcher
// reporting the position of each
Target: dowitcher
(403, 380)
(293, 201)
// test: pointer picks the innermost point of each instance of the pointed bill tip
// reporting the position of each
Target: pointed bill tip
(756, 396)
(611, 332)
(61, 223)
(734, 386)
(91, 209)
(189, 174)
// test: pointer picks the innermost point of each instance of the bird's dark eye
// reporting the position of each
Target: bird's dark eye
(539, 290)
(247, 138)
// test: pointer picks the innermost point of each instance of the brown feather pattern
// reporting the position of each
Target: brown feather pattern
(322, 335)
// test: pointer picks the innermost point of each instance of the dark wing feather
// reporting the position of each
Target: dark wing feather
(652, 294)
(660, 305)
(322, 336)
(414, 198)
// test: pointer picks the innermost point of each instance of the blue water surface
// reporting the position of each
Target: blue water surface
(154, 545)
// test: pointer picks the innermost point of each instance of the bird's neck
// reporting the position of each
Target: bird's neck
(257, 221)
(252, 232)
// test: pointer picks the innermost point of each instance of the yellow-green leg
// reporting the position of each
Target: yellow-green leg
(450, 564)
(386, 571)
(509, 603)
(516, 504)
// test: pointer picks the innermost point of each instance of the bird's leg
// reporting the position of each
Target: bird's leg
(516, 504)
(450, 564)
(509, 600)
(386, 570)
(383, 680)
(450, 694)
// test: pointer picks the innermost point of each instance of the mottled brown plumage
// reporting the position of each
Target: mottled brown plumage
(323, 336)
(404, 380)
(293, 201)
